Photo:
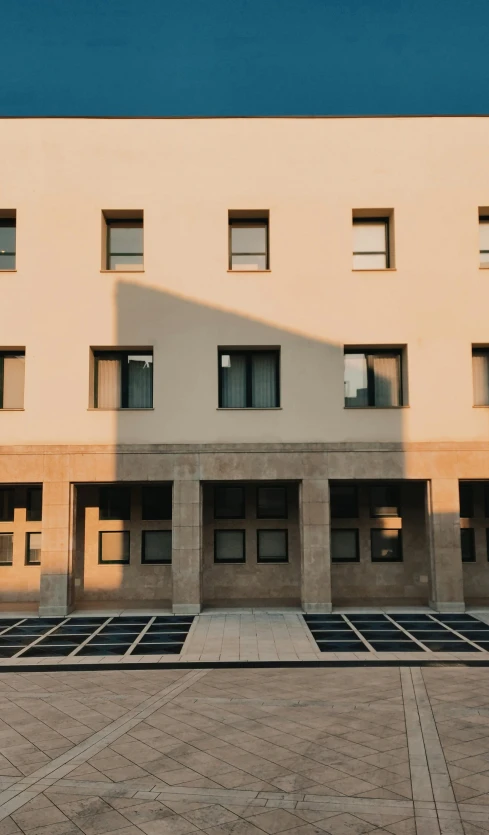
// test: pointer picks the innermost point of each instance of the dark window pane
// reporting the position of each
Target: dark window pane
(271, 503)
(344, 546)
(33, 548)
(7, 262)
(229, 502)
(272, 546)
(486, 500)
(229, 546)
(125, 238)
(6, 504)
(140, 381)
(264, 380)
(467, 543)
(466, 492)
(233, 381)
(386, 545)
(384, 500)
(157, 502)
(114, 546)
(125, 262)
(248, 379)
(249, 239)
(157, 546)
(386, 370)
(356, 380)
(344, 501)
(115, 503)
(6, 548)
(249, 262)
(7, 238)
(34, 504)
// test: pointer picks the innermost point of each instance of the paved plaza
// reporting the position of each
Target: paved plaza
(300, 751)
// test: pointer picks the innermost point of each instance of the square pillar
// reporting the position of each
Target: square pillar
(315, 542)
(443, 515)
(187, 547)
(57, 548)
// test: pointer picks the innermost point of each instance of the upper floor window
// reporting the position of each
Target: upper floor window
(480, 374)
(12, 370)
(249, 379)
(7, 239)
(371, 243)
(248, 241)
(124, 240)
(373, 377)
(484, 239)
(123, 379)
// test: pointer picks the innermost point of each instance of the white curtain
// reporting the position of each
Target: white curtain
(480, 371)
(13, 382)
(387, 378)
(140, 394)
(234, 382)
(108, 384)
(264, 380)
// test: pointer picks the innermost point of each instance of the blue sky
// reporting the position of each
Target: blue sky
(243, 57)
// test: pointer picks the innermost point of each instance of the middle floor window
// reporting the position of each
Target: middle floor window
(123, 379)
(249, 379)
(373, 378)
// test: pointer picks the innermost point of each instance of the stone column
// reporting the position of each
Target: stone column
(57, 548)
(443, 515)
(187, 547)
(315, 542)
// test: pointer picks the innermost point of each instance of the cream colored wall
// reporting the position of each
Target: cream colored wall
(185, 174)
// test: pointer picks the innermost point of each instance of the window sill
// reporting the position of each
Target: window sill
(374, 270)
(156, 562)
(32, 563)
(374, 408)
(249, 409)
(249, 271)
(8, 271)
(14, 409)
(122, 271)
(128, 409)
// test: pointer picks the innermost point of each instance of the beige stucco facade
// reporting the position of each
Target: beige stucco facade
(185, 175)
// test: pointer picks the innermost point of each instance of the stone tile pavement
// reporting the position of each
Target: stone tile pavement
(344, 751)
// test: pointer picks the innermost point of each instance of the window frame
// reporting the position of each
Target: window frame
(468, 486)
(248, 223)
(261, 515)
(27, 547)
(272, 560)
(240, 487)
(469, 534)
(370, 353)
(483, 219)
(11, 534)
(371, 506)
(364, 221)
(378, 560)
(144, 561)
(355, 559)
(127, 536)
(145, 489)
(354, 489)
(123, 356)
(248, 353)
(9, 223)
(107, 487)
(9, 355)
(241, 531)
(123, 223)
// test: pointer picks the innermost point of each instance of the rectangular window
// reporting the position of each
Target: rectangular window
(272, 546)
(373, 378)
(385, 500)
(466, 494)
(249, 379)
(344, 545)
(344, 501)
(156, 547)
(115, 503)
(271, 503)
(12, 372)
(229, 502)
(6, 504)
(124, 243)
(7, 240)
(229, 546)
(480, 375)
(33, 548)
(113, 546)
(467, 544)
(484, 240)
(157, 502)
(386, 545)
(371, 243)
(6, 548)
(34, 504)
(248, 243)
(123, 379)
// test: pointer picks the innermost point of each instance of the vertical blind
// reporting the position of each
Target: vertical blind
(249, 379)
(480, 371)
(386, 380)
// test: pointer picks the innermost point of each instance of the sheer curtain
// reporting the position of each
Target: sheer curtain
(234, 382)
(264, 380)
(108, 384)
(140, 388)
(480, 371)
(386, 380)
